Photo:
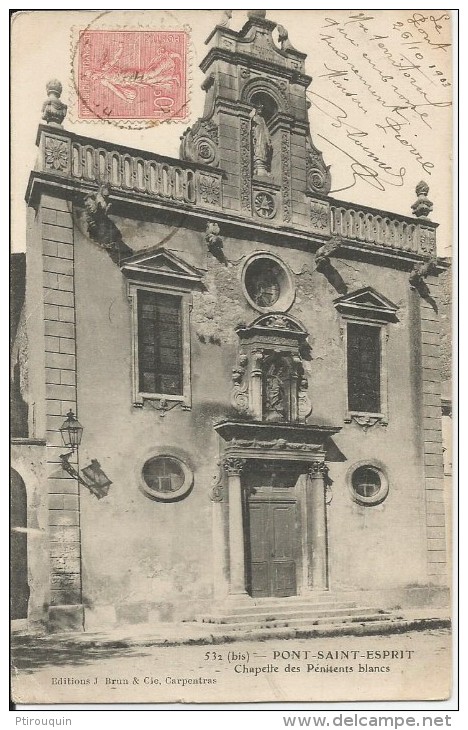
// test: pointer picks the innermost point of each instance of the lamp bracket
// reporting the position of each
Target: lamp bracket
(98, 491)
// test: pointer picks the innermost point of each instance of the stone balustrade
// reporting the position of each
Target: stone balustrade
(364, 225)
(86, 160)
(380, 229)
(92, 161)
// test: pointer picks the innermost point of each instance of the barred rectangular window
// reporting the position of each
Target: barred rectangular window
(160, 362)
(363, 368)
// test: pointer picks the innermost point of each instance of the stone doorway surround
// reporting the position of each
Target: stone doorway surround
(245, 444)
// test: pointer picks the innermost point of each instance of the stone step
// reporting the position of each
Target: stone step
(286, 615)
(303, 623)
(285, 605)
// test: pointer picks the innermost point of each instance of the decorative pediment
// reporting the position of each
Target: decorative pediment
(367, 303)
(161, 266)
(272, 323)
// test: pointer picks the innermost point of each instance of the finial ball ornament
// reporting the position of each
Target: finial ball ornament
(54, 85)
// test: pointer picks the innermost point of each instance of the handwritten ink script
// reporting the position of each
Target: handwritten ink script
(381, 98)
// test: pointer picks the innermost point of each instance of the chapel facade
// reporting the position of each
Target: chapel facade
(255, 365)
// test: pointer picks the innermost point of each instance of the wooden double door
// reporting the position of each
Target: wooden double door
(272, 546)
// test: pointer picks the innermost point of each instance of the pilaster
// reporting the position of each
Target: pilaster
(436, 517)
(65, 611)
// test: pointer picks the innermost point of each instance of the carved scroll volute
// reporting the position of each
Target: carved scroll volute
(304, 404)
(240, 388)
(303, 407)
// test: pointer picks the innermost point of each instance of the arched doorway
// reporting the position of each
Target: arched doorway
(19, 595)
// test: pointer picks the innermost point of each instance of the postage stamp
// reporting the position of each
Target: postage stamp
(132, 75)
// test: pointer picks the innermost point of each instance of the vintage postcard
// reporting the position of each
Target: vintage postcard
(231, 356)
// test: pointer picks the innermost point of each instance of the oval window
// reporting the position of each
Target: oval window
(368, 483)
(268, 285)
(166, 478)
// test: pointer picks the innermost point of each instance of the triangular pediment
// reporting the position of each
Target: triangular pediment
(159, 263)
(367, 302)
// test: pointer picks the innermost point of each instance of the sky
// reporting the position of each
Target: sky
(43, 47)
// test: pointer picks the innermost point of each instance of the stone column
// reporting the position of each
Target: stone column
(233, 467)
(256, 375)
(317, 525)
(220, 566)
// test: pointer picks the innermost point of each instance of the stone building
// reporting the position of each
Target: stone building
(254, 363)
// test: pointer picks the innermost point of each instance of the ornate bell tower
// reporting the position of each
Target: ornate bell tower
(255, 125)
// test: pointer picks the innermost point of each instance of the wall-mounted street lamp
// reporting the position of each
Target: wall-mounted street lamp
(96, 480)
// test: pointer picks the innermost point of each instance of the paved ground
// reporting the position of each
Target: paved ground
(413, 665)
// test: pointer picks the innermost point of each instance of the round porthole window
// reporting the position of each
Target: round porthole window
(268, 284)
(166, 478)
(368, 483)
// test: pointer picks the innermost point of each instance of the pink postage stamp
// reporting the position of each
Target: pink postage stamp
(132, 75)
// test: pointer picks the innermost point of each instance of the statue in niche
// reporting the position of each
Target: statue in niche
(275, 400)
(261, 142)
(267, 289)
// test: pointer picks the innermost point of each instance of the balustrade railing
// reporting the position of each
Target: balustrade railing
(353, 224)
(138, 172)
(130, 171)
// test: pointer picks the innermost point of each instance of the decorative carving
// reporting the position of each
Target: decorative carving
(217, 489)
(304, 404)
(54, 110)
(286, 175)
(208, 82)
(277, 321)
(244, 72)
(320, 217)
(245, 166)
(423, 206)
(162, 405)
(422, 271)
(214, 241)
(264, 204)
(274, 396)
(200, 143)
(56, 154)
(427, 240)
(317, 470)
(100, 227)
(324, 253)
(257, 359)
(225, 20)
(240, 392)
(283, 38)
(210, 190)
(317, 173)
(262, 148)
(233, 466)
(365, 421)
(277, 444)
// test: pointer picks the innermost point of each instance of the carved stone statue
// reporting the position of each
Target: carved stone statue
(261, 142)
(275, 393)
(283, 38)
(214, 241)
(100, 227)
(256, 14)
